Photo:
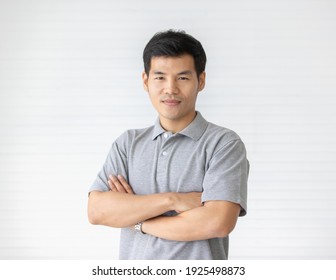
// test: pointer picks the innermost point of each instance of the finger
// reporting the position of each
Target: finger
(119, 187)
(111, 186)
(126, 186)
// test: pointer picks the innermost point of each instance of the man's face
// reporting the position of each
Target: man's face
(173, 86)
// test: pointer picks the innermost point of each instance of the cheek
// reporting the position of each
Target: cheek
(154, 97)
(154, 88)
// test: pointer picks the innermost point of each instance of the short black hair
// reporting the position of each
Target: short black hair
(174, 43)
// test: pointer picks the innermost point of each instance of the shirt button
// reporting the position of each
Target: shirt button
(164, 153)
(165, 135)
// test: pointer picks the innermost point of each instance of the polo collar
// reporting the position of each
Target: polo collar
(194, 130)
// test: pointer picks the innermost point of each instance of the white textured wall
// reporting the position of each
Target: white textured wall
(70, 83)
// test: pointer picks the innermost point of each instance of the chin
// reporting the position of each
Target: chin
(172, 115)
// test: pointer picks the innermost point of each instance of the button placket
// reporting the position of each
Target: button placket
(163, 160)
(166, 144)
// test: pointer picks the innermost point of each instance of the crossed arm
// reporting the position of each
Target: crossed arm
(120, 207)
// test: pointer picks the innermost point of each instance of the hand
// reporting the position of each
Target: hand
(187, 201)
(119, 184)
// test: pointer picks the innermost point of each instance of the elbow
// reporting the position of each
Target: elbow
(93, 212)
(93, 220)
(98, 216)
(218, 230)
(224, 231)
(221, 224)
(93, 216)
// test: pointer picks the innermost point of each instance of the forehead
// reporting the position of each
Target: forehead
(173, 63)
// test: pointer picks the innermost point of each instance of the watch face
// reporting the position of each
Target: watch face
(137, 227)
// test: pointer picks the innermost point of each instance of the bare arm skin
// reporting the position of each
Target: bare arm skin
(195, 222)
(120, 207)
(214, 219)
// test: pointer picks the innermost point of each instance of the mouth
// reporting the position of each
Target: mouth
(171, 102)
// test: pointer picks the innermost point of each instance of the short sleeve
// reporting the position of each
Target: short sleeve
(115, 164)
(227, 174)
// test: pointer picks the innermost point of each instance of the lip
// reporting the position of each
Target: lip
(171, 102)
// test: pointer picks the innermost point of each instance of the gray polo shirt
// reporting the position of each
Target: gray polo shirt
(203, 157)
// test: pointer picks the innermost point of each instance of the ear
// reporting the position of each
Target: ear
(145, 81)
(201, 81)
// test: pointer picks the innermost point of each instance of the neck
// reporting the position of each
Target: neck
(176, 126)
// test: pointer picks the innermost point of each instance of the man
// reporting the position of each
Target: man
(176, 188)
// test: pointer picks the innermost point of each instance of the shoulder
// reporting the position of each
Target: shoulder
(131, 135)
(219, 141)
(220, 135)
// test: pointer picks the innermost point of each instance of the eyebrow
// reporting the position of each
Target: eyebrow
(186, 72)
(158, 73)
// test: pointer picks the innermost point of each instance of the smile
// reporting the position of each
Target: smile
(171, 102)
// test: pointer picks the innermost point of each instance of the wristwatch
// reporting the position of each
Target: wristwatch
(138, 227)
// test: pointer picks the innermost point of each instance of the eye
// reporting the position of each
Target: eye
(183, 78)
(159, 78)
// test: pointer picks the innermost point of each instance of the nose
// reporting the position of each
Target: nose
(171, 87)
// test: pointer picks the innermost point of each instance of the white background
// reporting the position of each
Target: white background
(70, 83)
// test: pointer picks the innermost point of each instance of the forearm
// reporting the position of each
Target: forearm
(179, 228)
(122, 210)
(197, 224)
